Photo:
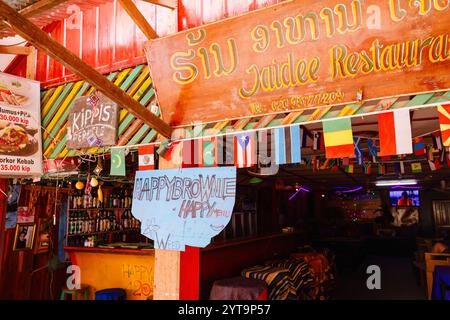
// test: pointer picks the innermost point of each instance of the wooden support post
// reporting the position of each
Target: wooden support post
(138, 18)
(31, 64)
(177, 274)
(54, 49)
(167, 264)
(190, 274)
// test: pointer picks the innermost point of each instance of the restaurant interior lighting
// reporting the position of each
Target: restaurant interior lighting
(405, 182)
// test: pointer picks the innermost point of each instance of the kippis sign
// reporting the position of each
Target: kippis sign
(301, 54)
(179, 207)
(92, 122)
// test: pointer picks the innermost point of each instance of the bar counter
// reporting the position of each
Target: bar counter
(104, 268)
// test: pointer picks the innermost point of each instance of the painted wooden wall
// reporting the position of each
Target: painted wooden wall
(24, 275)
(106, 37)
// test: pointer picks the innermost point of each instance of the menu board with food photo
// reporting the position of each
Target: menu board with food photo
(20, 130)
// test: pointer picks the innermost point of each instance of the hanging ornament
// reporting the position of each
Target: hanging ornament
(88, 180)
(79, 185)
(94, 182)
(100, 193)
(99, 168)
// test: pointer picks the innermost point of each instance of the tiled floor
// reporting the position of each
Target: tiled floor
(398, 281)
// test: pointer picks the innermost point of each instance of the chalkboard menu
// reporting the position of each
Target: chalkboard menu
(92, 122)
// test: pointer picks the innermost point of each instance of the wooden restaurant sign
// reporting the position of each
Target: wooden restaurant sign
(92, 122)
(301, 54)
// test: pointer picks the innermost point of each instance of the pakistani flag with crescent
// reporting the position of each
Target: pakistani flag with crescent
(444, 121)
(117, 162)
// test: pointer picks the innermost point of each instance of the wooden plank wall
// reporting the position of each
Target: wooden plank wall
(107, 39)
(24, 276)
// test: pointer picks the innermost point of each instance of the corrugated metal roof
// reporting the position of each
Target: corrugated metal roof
(57, 101)
(42, 18)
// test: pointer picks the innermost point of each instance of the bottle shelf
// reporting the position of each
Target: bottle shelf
(101, 232)
(97, 209)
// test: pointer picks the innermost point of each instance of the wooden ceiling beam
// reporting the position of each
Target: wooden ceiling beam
(54, 49)
(39, 7)
(24, 51)
(171, 4)
(138, 19)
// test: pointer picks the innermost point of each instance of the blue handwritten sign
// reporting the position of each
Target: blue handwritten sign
(179, 207)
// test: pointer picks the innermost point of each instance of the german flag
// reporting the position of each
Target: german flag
(444, 121)
(338, 138)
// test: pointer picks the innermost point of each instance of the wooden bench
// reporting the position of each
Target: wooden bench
(432, 260)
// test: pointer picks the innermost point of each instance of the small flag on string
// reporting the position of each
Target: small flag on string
(385, 158)
(373, 150)
(325, 165)
(244, 149)
(444, 122)
(437, 141)
(308, 162)
(146, 157)
(317, 140)
(430, 153)
(358, 151)
(287, 142)
(442, 155)
(368, 168)
(397, 168)
(416, 167)
(208, 154)
(381, 168)
(117, 162)
(190, 153)
(264, 149)
(395, 132)
(402, 167)
(437, 164)
(225, 150)
(345, 162)
(335, 165)
(419, 146)
(314, 163)
(338, 138)
(432, 165)
(349, 168)
(304, 134)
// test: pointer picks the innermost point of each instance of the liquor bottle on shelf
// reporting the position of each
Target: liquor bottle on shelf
(86, 200)
(78, 203)
(124, 220)
(94, 202)
(115, 198)
(130, 197)
(125, 198)
(98, 221)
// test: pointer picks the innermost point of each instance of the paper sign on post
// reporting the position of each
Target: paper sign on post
(179, 207)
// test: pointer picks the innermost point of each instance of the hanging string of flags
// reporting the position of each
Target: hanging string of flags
(283, 146)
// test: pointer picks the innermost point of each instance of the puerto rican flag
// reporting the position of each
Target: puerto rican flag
(395, 133)
(146, 157)
(244, 150)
